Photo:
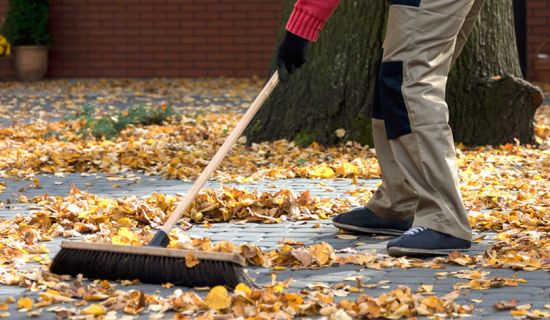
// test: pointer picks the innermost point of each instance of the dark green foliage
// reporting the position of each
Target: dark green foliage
(304, 139)
(26, 23)
(110, 126)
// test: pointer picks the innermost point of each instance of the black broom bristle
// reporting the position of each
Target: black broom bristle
(147, 268)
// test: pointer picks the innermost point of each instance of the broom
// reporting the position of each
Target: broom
(155, 263)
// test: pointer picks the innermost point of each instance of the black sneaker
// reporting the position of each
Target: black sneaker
(363, 220)
(421, 241)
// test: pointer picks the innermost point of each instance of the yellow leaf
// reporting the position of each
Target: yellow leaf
(278, 288)
(125, 237)
(191, 260)
(433, 303)
(218, 298)
(322, 171)
(517, 313)
(243, 288)
(94, 309)
(126, 222)
(23, 199)
(24, 303)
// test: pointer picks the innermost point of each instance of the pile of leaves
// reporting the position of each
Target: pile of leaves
(83, 212)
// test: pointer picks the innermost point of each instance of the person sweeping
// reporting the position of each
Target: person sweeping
(419, 199)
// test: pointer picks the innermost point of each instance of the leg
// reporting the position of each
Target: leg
(467, 27)
(418, 52)
(391, 209)
(395, 198)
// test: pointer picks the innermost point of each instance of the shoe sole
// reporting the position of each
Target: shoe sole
(417, 252)
(362, 230)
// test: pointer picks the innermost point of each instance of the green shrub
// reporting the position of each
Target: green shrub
(110, 126)
(26, 23)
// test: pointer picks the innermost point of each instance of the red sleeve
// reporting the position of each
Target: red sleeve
(309, 17)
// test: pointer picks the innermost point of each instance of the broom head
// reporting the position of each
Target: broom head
(149, 264)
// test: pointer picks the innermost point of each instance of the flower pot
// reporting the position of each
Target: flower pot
(31, 62)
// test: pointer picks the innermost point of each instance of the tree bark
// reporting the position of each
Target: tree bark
(488, 102)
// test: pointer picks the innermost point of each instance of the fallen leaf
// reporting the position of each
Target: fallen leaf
(94, 309)
(505, 305)
(218, 298)
(191, 260)
(24, 303)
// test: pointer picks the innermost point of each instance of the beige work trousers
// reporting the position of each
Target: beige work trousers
(413, 140)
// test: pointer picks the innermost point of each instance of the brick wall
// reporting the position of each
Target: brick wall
(538, 30)
(184, 38)
(159, 38)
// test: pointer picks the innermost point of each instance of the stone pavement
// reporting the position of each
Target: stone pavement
(536, 291)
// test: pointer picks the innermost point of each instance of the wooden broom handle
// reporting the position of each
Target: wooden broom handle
(222, 152)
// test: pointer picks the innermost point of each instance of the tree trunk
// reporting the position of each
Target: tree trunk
(488, 102)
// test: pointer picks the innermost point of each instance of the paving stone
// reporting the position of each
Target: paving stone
(538, 275)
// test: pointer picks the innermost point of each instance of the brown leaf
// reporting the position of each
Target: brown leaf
(505, 305)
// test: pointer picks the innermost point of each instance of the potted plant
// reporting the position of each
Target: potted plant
(26, 29)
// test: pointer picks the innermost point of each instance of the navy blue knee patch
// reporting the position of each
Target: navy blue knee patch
(410, 3)
(394, 111)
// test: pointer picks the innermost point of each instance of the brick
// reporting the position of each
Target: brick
(220, 40)
(206, 15)
(179, 15)
(205, 32)
(101, 16)
(166, 40)
(118, 24)
(127, 64)
(140, 56)
(127, 16)
(127, 48)
(163, 56)
(118, 7)
(168, 24)
(140, 8)
(153, 64)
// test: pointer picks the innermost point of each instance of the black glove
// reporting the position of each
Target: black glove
(291, 55)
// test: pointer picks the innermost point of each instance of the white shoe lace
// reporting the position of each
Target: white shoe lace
(415, 230)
